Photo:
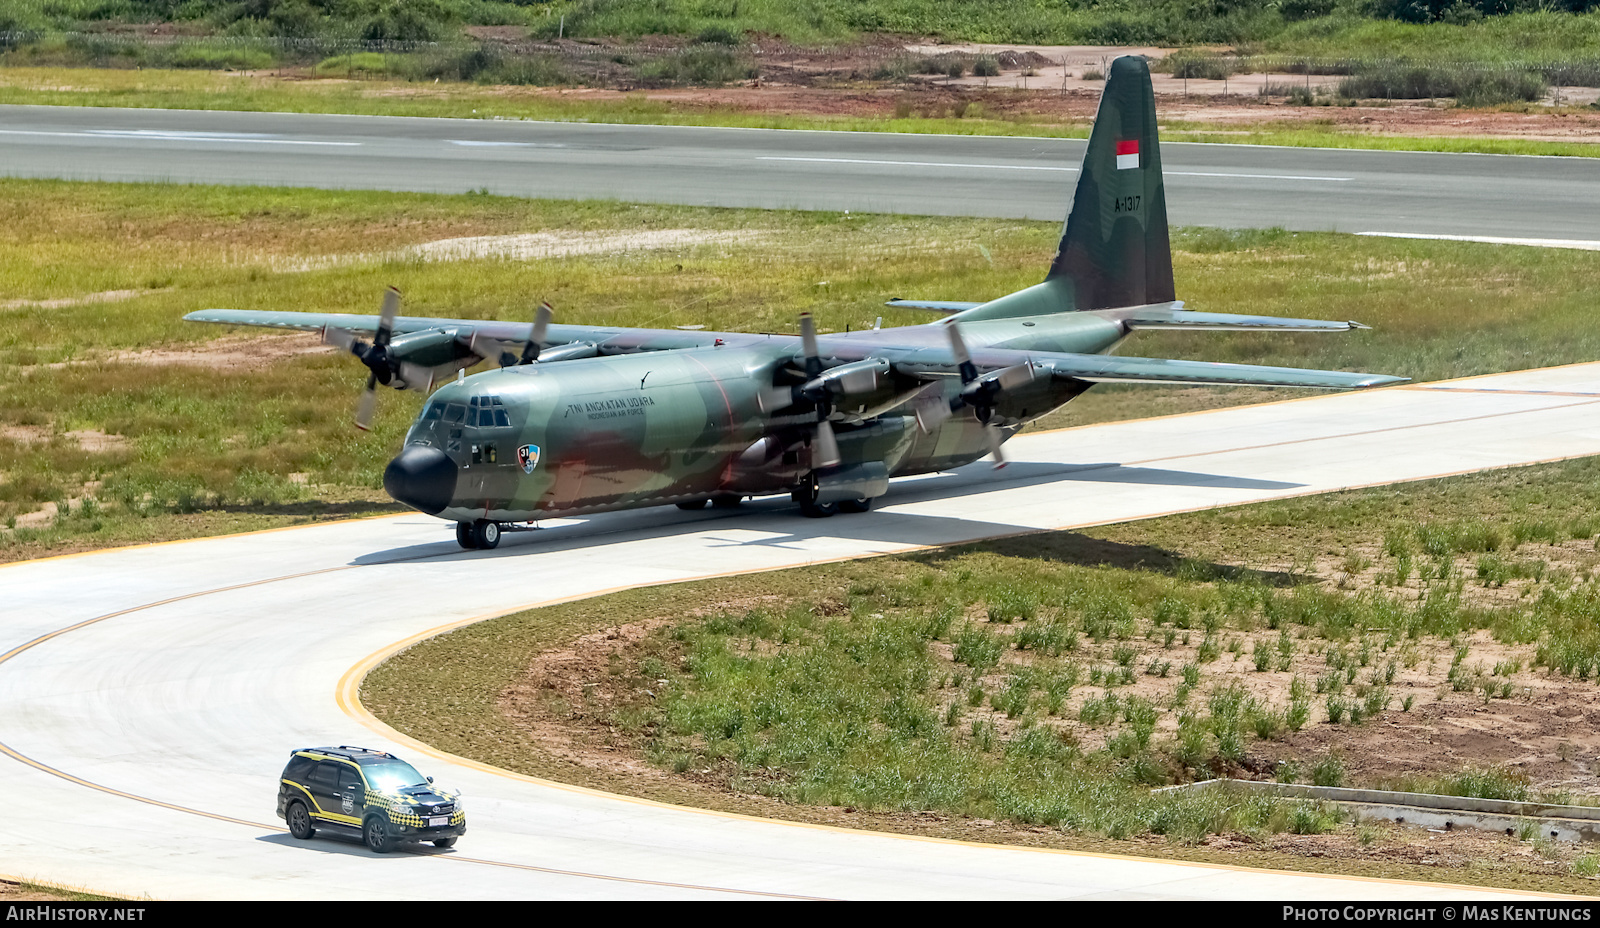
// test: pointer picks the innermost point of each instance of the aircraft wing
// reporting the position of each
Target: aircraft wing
(615, 338)
(1174, 316)
(1095, 368)
(943, 306)
(933, 364)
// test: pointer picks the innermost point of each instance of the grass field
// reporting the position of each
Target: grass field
(263, 92)
(116, 413)
(1046, 682)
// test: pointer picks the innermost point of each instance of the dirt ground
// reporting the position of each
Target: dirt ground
(1505, 714)
(1217, 112)
(1052, 84)
(17, 892)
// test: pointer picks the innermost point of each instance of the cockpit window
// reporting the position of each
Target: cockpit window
(434, 411)
(454, 412)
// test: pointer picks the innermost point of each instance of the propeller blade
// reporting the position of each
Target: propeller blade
(368, 405)
(391, 309)
(963, 358)
(341, 338)
(416, 377)
(1017, 375)
(930, 407)
(775, 399)
(536, 337)
(808, 346)
(492, 349)
(992, 435)
(825, 447)
(859, 380)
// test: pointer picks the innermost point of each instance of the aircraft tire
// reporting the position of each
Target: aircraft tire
(464, 536)
(485, 535)
(692, 505)
(805, 496)
(856, 505)
(727, 501)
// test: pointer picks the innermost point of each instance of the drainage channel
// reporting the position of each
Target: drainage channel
(1430, 810)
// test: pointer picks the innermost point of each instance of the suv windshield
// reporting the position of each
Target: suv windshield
(392, 775)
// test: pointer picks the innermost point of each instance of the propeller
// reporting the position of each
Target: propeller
(825, 447)
(541, 327)
(820, 387)
(375, 356)
(977, 392)
(506, 353)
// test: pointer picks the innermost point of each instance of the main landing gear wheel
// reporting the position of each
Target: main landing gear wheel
(464, 536)
(485, 535)
(727, 501)
(692, 505)
(376, 835)
(805, 496)
(300, 822)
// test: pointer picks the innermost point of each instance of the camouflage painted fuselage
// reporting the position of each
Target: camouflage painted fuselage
(623, 430)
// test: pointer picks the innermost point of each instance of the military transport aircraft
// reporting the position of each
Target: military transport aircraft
(584, 419)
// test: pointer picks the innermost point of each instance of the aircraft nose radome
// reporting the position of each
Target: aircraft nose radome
(421, 477)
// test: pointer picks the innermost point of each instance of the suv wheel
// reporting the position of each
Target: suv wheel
(444, 842)
(300, 821)
(376, 835)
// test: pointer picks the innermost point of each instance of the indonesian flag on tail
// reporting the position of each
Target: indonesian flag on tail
(1127, 154)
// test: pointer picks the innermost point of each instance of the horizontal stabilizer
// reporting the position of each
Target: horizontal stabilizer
(1111, 369)
(1174, 316)
(943, 306)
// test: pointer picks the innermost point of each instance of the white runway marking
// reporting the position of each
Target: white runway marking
(470, 143)
(220, 655)
(1037, 167)
(155, 135)
(1580, 244)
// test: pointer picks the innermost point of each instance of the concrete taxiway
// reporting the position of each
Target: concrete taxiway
(1427, 193)
(149, 696)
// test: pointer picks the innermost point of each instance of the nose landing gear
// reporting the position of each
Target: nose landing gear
(481, 535)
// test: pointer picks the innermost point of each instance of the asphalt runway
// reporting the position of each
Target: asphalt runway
(1218, 185)
(150, 696)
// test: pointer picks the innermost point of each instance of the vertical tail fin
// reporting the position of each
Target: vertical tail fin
(1114, 247)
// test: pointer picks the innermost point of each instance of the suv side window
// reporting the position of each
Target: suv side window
(299, 767)
(326, 775)
(350, 779)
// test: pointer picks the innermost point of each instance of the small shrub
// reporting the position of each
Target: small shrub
(1328, 772)
(1313, 818)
